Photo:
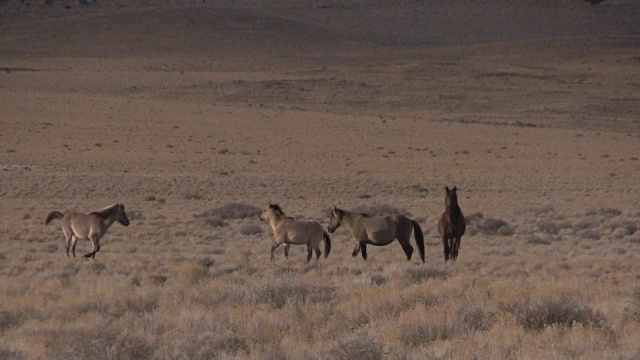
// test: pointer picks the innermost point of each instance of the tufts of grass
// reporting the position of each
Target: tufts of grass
(604, 212)
(560, 310)
(360, 347)
(415, 335)
(420, 274)
(281, 293)
(211, 220)
(478, 224)
(231, 211)
(251, 229)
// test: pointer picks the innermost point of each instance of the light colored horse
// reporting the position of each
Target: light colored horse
(452, 225)
(91, 226)
(288, 231)
(378, 230)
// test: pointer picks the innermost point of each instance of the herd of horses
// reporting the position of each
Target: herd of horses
(365, 229)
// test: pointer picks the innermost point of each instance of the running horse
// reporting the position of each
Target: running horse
(91, 226)
(452, 225)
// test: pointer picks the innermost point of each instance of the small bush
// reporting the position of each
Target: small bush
(478, 320)
(417, 335)
(211, 220)
(553, 228)
(477, 223)
(420, 274)
(604, 212)
(251, 229)
(633, 310)
(536, 240)
(361, 347)
(231, 211)
(562, 311)
(281, 294)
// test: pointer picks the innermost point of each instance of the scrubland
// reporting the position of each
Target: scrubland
(197, 115)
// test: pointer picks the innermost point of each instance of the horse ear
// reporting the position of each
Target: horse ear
(447, 189)
(455, 188)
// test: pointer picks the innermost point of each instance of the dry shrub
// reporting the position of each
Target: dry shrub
(100, 341)
(604, 212)
(478, 224)
(420, 274)
(280, 294)
(191, 274)
(210, 220)
(10, 354)
(562, 310)
(415, 335)
(251, 229)
(9, 319)
(478, 320)
(231, 211)
(553, 227)
(361, 347)
(537, 240)
(633, 310)
(156, 279)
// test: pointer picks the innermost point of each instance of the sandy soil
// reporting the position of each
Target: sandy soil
(177, 107)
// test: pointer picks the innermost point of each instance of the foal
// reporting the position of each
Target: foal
(91, 226)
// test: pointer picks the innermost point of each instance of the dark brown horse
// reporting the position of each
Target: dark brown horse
(451, 226)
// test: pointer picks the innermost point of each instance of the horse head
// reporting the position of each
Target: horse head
(336, 219)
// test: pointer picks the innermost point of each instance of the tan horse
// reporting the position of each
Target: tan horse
(92, 227)
(378, 231)
(452, 225)
(288, 231)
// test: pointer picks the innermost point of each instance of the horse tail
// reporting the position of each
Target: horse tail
(52, 216)
(417, 232)
(327, 244)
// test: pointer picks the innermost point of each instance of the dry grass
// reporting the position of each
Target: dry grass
(238, 304)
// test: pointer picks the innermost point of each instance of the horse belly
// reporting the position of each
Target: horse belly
(381, 237)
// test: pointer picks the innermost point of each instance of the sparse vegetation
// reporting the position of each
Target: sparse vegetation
(478, 224)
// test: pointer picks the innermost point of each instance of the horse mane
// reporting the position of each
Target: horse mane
(277, 209)
(104, 213)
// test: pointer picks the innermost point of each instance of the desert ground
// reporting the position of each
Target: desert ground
(195, 115)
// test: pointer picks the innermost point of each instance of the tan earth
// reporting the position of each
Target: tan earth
(189, 111)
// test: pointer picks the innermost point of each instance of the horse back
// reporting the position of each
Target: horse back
(81, 224)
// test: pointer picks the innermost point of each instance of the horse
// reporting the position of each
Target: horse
(289, 231)
(91, 226)
(378, 230)
(451, 225)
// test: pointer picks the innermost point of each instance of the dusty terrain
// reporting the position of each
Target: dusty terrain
(196, 114)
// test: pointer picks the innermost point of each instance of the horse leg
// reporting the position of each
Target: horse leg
(74, 242)
(67, 238)
(274, 247)
(316, 248)
(363, 247)
(456, 246)
(309, 252)
(95, 238)
(406, 247)
(445, 245)
(286, 250)
(356, 250)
